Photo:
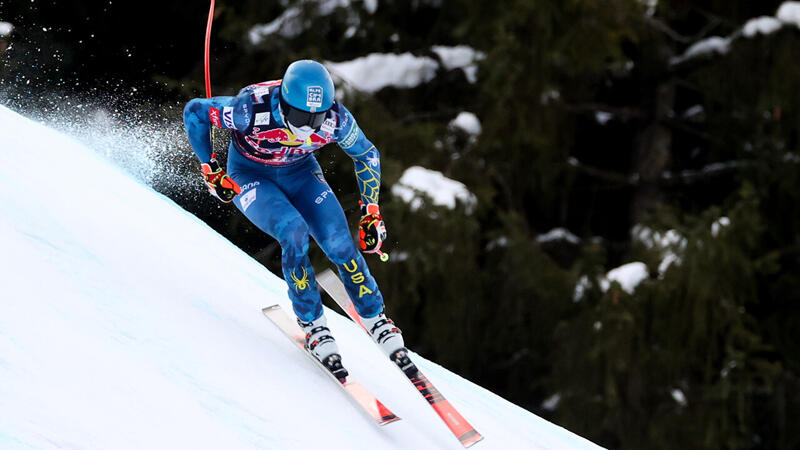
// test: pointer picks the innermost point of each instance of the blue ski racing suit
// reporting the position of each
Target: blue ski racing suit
(283, 190)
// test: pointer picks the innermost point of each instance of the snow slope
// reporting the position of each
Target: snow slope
(127, 323)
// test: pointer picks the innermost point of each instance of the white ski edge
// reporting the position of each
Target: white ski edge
(359, 394)
(466, 434)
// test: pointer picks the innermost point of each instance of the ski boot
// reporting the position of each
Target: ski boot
(389, 338)
(322, 345)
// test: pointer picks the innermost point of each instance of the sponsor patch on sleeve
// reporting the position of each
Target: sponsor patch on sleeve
(227, 117)
(213, 115)
(345, 119)
(350, 139)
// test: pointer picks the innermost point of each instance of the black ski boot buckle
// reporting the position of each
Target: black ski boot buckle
(334, 365)
(401, 359)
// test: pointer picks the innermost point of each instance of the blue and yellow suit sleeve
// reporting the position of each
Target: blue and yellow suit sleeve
(365, 156)
(201, 113)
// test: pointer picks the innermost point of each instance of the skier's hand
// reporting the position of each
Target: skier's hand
(371, 229)
(220, 184)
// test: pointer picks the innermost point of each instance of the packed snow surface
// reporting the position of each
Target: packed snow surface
(128, 323)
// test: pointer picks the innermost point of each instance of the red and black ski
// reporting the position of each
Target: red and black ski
(459, 426)
(355, 390)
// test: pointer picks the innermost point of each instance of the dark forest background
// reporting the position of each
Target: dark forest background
(702, 354)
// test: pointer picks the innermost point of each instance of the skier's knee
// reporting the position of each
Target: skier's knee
(340, 251)
(294, 235)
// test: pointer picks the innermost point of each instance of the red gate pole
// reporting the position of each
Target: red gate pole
(208, 45)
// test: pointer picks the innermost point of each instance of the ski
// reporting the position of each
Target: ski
(460, 428)
(355, 390)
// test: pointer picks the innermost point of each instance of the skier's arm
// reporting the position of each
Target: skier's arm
(198, 117)
(367, 160)
(365, 155)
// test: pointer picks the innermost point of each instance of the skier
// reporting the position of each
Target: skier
(274, 179)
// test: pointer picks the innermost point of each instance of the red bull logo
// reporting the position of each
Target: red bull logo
(318, 140)
(284, 137)
(277, 146)
(275, 136)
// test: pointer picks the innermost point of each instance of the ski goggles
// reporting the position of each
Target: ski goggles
(300, 118)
